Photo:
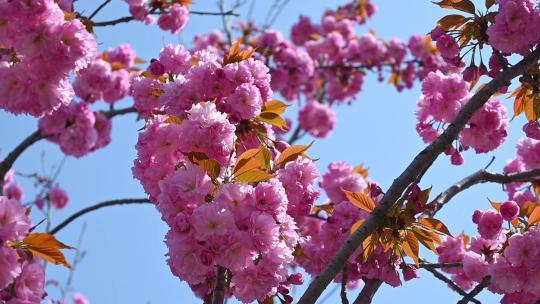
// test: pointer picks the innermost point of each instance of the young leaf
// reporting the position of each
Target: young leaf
(236, 54)
(274, 106)
(360, 200)
(328, 208)
(357, 225)
(47, 247)
(424, 238)
(451, 22)
(534, 217)
(247, 161)
(424, 195)
(360, 169)
(495, 205)
(253, 176)
(489, 3)
(292, 153)
(435, 225)
(273, 119)
(463, 5)
(368, 247)
(411, 247)
(173, 120)
(211, 166)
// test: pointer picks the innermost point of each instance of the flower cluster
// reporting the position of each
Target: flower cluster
(441, 100)
(76, 129)
(108, 77)
(174, 15)
(40, 48)
(22, 279)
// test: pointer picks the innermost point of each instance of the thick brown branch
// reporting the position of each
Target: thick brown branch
(130, 18)
(7, 163)
(76, 215)
(411, 173)
(450, 283)
(479, 177)
(470, 296)
(370, 288)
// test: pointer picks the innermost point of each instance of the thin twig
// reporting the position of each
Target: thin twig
(470, 296)
(7, 163)
(117, 202)
(409, 175)
(450, 283)
(113, 112)
(130, 18)
(99, 8)
(225, 22)
(366, 294)
(479, 177)
(79, 254)
(295, 136)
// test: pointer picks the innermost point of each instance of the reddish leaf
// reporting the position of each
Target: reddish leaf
(360, 200)
(211, 166)
(47, 247)
(411, 246)
(435, 225)
(236, 54)
(489, 3)
(328, 208)
(463, 5)
(292, 153)
(451, 22)
(357, 225)
(534, 217)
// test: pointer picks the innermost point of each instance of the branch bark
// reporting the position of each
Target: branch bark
(468, 297)
(218, 296)
(451, 284)
(479, 177)
(7, 163)
(117, 202)
(422, 161)
(130, 18)
(370, 288)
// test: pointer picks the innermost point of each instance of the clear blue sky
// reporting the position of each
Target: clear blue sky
(125, 260)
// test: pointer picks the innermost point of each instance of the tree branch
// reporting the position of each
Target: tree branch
(410, 174)
(117, 202)
(469, 297)
(479, 177)
(370, 288)
(218, 296)
(7, 163)
(344, 279)
(99, 8)
(114, 112)
(450, 283)
(130, 18)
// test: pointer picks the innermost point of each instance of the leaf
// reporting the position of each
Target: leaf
(360, 169)
(273, 119)
(328, 208)
(411, 246)
(195, 156)
(435, 224)
(173, 120)
(424, 238)
(463, 5)
(274, 106)
(211, 166)
(451, 22)
(489, 3)
(360, 200)
(495, 205)
(139, 60)
(424, 195)
(357, 225)
(534, 217)
(527, 208)
(247, 161)
(367, 246)
(253, 176)
(236, 54)
(292, 153)
(466, 239)
(47, 247)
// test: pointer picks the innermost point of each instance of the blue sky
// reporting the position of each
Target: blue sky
(124, 261)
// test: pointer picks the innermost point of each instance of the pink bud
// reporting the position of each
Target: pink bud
(509, 210)
(477, 215)
(471, 73)
(156, 68)
(457, 159)
(409, 273)
(296, 279)
(532, 129)
(436, 33)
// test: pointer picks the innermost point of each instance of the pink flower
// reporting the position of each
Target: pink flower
(58, 197)
(175, 59)
(175, 20)
(532, 129)
(14, 191)
(317, 118)
(245, 102)
(15, 223)
(490, 224)
(504, 278)
(10, 267)
(522, 250)
(410, 273)
(509, 210)
(487, 129)
(447, 46)
(341, 176)
(29, 285)
(146, 93)
(80, 298)
(270, 197)
(529, 151)
(474, 266)
(263, 231)
(123, 55)
(210, 219)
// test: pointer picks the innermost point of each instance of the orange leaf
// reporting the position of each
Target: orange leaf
(211, 166)
(47, 247)
(247, 161)
(273, 119)
(411, 246)
(360, 200)
(451, 22)
(328, 208)
(274, 106)
(357, 225)
(435, 225)
(253, 176)
(424, 238)
(236, 54)
(489, 3)
(527, 208)
(360, 169)
(463, 5)
(495, 205)
(534, 217)
(368, 247)
(292, 153)
(139, 60)
(424, 195)
(173, 120)
(195, 156)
